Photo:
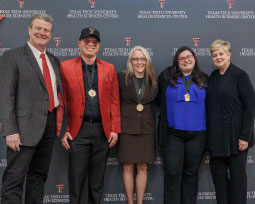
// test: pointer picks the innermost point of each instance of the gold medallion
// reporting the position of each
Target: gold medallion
(187, 97)
(92, 93)
(139, 107)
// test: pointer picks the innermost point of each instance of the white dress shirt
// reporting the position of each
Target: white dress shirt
(37, 54)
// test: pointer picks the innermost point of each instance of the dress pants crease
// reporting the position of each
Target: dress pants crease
(32, 163)
(87, 160)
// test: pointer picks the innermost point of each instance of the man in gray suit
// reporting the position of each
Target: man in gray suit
(32, 113)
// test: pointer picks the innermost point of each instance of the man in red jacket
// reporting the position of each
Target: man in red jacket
(91, 93)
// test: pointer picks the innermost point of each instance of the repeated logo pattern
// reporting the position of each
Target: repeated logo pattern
(21, 3)
(128, 40)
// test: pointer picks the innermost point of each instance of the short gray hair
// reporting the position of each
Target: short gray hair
(41, 16)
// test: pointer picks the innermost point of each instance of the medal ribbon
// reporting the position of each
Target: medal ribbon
(187, 84)
(91, 77)
(139, 92)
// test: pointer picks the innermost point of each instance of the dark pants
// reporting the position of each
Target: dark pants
(87, 161)
(32, 162)
(182, 157)
(229, 178)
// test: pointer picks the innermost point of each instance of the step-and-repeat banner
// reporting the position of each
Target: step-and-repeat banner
(161, 26)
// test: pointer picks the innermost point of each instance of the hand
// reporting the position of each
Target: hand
(65, 143)
(113, 139)
(13, 141)
(243, 145)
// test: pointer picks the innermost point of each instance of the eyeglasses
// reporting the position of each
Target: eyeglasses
(188, 57)
(88, 41)
(136, 60)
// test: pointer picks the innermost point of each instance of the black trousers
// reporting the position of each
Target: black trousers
(32, 163)
(229, 178)
(87, 161)
(182, 157)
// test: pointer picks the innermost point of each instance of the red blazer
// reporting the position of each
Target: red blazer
(74, 95)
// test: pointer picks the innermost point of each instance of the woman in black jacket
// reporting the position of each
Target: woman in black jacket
(230, 103)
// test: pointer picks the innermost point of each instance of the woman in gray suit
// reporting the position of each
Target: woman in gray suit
(138, 89)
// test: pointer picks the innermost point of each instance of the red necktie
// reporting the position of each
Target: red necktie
(47, 80)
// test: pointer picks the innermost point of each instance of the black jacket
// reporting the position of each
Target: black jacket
(162, 131)
(230, 106)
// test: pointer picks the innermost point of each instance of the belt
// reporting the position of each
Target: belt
(92, 120)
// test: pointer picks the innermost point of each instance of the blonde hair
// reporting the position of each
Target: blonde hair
(218, 44)
(150, 75)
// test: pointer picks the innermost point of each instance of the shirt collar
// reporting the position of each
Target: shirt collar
(227, 71)
(179, 80)
(35, 51)
(83, 64)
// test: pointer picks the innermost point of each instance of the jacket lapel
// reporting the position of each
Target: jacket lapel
(100, 77)
(34, 65)
(132, 91)
(79, 73)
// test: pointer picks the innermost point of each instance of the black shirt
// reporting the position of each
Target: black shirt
(92, 108)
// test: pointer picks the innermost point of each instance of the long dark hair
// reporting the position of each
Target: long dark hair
(198, 76)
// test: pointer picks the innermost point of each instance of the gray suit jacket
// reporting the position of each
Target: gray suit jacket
(24, 99)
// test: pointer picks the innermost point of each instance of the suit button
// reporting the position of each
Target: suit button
(82, 103)
(80, 116)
